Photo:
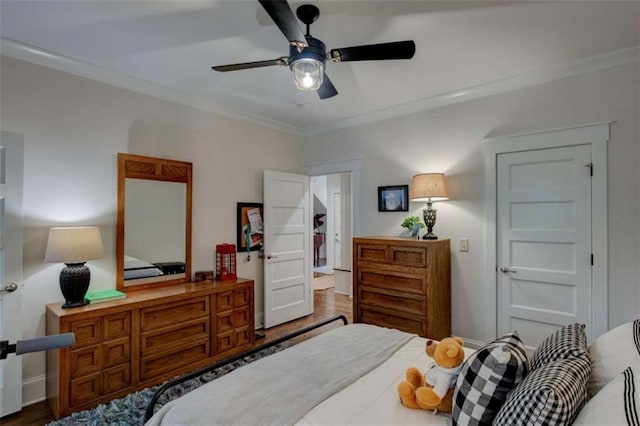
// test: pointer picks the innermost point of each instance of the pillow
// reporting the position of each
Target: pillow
(486, 378)
(568, 342)
(612, 352)
(616, 404)
(550, 395)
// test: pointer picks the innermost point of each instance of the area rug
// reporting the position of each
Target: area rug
(324, 282)
(130, 409)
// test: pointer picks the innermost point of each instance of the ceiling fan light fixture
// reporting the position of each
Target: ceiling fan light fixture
(308, 73)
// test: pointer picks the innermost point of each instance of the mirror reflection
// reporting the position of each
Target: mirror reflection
(155, 223)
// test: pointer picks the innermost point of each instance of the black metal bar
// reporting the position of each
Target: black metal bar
(178, 380)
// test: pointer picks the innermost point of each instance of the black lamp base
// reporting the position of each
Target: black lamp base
(74, 283)
(429, 216)
(74, 304)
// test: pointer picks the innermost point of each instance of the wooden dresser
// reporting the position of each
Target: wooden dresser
(152, 335)
(404, 284)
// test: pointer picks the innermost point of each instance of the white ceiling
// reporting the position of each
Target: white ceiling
(459, 45)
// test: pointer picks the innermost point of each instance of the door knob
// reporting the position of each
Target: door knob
(505, 270)
(9, 288)
(271, 257)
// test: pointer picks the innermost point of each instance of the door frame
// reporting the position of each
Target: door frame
(343, 166)
(596, 135)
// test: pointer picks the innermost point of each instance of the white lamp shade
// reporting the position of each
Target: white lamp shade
(429, 187)
(73, 245)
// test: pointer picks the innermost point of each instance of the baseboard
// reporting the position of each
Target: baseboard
(473, 344)
(259, 321)
(33, 390)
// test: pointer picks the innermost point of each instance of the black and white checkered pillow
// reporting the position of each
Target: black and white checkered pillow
(486, 378)
(550, 395)
(568, 342)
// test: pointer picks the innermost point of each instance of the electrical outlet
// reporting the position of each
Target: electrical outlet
(464, 244)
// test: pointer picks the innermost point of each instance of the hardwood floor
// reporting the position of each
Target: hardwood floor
(326, 304)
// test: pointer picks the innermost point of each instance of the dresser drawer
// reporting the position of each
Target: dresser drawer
(162, 316)
(397, 300)
(408, 256)
(224, 322)
(373, 277)
(116, 379)
(88, 332)
(85, 389)
(225, 341)
(392, 319)
(243, 336)
(241, 317)
(224, 301)
(85, 360)
(116, 352)
(151, 367)
(371, 253)
(241, 297)
(179, 335)
(117, 325)
(392, 254)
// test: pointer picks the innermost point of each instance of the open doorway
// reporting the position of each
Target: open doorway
(332, 232)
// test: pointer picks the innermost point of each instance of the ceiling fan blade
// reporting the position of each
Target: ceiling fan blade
(375, 52)
(249, 65)
(283, 16)
(326, 90)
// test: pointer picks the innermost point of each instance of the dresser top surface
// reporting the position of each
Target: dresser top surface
(152, 294)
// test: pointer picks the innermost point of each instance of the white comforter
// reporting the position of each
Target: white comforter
(373, 399)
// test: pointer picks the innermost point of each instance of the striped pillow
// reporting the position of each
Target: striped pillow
(612, 352)
(486, 378)
(550, 395)
(568, 342)
(616, 404)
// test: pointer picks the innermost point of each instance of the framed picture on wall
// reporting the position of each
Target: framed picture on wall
(393, 198)
(250, 227)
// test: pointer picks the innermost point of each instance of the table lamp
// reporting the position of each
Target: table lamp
(429, 187)
(74, 246)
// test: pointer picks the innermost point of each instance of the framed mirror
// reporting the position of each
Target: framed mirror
(153, 239)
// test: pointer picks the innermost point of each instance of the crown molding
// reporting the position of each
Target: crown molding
(45, 58)
(25, 52)
(581, 66)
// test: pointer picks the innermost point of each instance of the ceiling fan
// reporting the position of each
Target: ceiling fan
(308, 55)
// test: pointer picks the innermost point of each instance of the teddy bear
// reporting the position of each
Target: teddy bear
(434, 390)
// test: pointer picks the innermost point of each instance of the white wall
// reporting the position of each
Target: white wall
(448, 139)
(74, 127)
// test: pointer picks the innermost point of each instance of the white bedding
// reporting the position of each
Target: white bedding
(370, 399)
(373, 399)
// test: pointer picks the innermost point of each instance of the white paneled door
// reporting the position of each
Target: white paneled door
(287, 247)
(11, 160)
(544, 241)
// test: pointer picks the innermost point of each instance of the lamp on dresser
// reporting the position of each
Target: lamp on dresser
(429, 187)
(74, 246)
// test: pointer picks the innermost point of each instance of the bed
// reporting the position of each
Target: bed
(349, 375)
(135, 268)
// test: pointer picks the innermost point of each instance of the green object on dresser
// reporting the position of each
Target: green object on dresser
(104, 296)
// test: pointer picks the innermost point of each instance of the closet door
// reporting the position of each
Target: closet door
(544, 241)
